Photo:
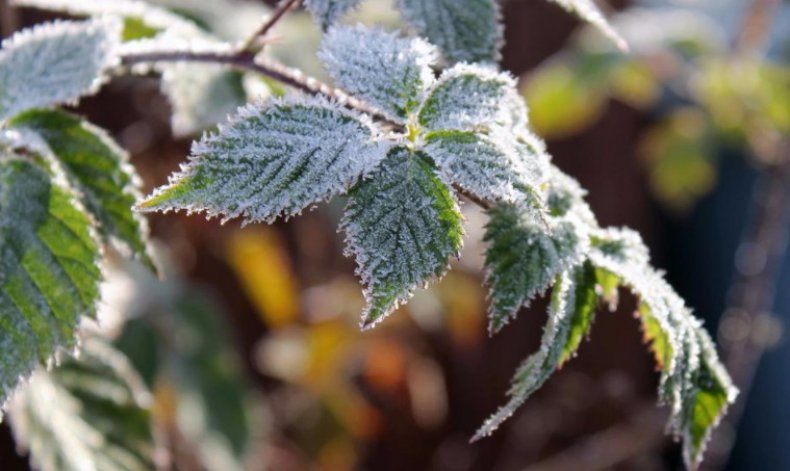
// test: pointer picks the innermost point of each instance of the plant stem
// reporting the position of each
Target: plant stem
(249, 62)
(250, 44)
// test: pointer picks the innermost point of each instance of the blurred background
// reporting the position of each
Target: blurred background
(251, 345)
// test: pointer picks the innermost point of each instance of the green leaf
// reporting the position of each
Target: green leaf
(86, 414)
(588, 11)
(386, 70)
(402, 225)
(693, 381)
(488, 166)
(524, 257)
(327, 12)
(706, 403)
(48, 269)
(465, 30)
(55, 63)
(585, 302)
(273, 159)
(98, 168)
(573, 303)
(472, 97)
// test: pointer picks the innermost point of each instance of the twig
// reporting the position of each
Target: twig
(279, 72)
(249, 45)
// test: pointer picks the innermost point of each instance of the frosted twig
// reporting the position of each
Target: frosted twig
(269, 68)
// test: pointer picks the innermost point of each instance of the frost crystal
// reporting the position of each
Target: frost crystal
(326, 12)
(402, 226)
(469, 97)
(48, 270)
(465, 30)
(55, 63)
(589, 11)
(380, 67)
(273, 159)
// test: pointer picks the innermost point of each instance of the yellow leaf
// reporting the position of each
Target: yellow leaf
(258, 257)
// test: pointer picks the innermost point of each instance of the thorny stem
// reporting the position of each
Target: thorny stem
(252, 41)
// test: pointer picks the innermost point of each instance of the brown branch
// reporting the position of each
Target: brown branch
(249, 62)
(284, 7)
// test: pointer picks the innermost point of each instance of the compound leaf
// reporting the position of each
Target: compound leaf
(98, 168)
(388, 71)
(402, 225)
(465, 30)
(48, 269)
(88, 414)
(56, 63)
(273, 159)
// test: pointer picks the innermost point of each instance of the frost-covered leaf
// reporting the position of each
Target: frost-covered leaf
(55, 63)
(465, 30)
(471, 97)
(706, 403)
(201, 95)
(326, 12)
(273, 159)
(588, 11)
(572, 307)
(388, 71)
(488, 166)
(90, 414)
(622, 253)
(48, 269)
(402, 225)
(524, 257)
(693, 382)
(582, 301)
(98, 168)
(141, 19)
